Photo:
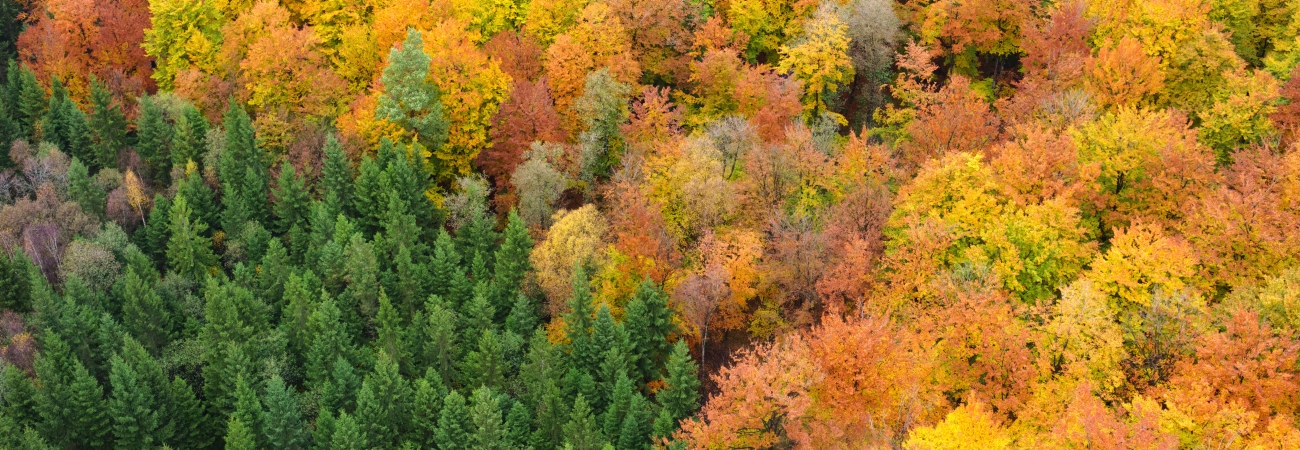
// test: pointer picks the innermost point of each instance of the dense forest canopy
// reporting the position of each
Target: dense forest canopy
(649, 224)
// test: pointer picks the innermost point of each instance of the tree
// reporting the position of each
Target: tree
(409, 100)
(189, 141)
(336, 176)
(538, 185)
(1122, 74)
(83, 190)
(64, 125)
(485, 412)
(769, 23)
(107, 126)
(189, 253)
(527, 116)
(348, 434)
(485, 366)
(602, 108)
(71, 402)
(821, 61)
(154, 136)
(581, 431)
(384, 404)
(31, 101)
(576, 239)
(969, 426)
(282, 421)
(243, 173)
(598, 39)
(291, 200)
(649, 323)
(183, 36)
(680, 396)
(132, 407)
(510, 262)
(471, 87)
(454, 423)
(238, 436)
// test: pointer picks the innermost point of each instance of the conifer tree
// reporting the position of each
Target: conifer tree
(485, 413)
(199, 196)
(143, 312)
(478, 315)
(620, 398)
(64, 125)
(31, 102)
(189, 253)
(522, 319)
(369, 198)
(427, 406)
(154, 134)
(440, 350)
(107, 126)
(248, 410)
(518, 426)
(384, 404)
(83, 189)
(282, 421)
(133, 407)
(336, 176)
(189, 425)
(391, 333)
(15, 285)
(681, 397)
(511, 261)
(158, 231)
(648, 323)
(329, 342)
(238, 436)
(291, 200)
(583, 352)
(485, 366)
(582, 432)
(409, 99)
(635, 431)
(189, 140)
(70, 402)
(241, 168)
(338, 393)
(349, 434)
(454, 423)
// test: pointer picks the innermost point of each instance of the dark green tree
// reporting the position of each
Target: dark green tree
(634, 434)
(339, 392)
(31, 101)
(144, 314)
(648, 323)
(83, 189)
(583, 351)
(336, 177)
(391, 333)
(439, 337)
(485, 366)
(133, 407)
(154, 134)
(107, 126)
(681, 395)
(427, 406)
(64, 125)
(282, 421)
(190, 426)
(329, 341)
(158, 231)
(190, 138)
(291, 200)
(620, 399)
(384, 404)
(200, 197)
(189, 253)
(248, 410)
(511, 261)
(518, 426)
(15, 284)
(70, 402)
(242, 172)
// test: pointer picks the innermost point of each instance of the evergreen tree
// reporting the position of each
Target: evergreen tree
(511, 261)
(322, 434)
(440, 350)
(338, 393)
(282, 421)
(427, 406)
(523, 316)
(64, 125)
(154, 139)
(189, 253)
(31, 102)
(15, 284)
(329, 342)
(681, 397)
(634, 434)
(454, 424)
(484, 366)
(70, 402)
(478, 314)
(485, 412)
(518, 426)
(238, 436)
(409, 100)
(620, 399)
(188, 423)
(291, 206)
(241, 169)
(583, 351)
(336, 177)
(9, 131)
(190, 138)
(133, 407)
(581, 431)
(83, 189)
(552, 414)
(392, 334)
(107, 126)
(349, 434)
(143, 312)
(158, 231)
(648, 323)
(384, 404)
(198, 195)
(248, 410)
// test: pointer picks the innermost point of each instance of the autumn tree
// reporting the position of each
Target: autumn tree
(471, 88)
(820, 60)
(182, 35)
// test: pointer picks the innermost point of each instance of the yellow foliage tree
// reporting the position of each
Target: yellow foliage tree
(1141, 259)
(598, 40)
(471, 87)
(183, 34)
(821, 61)
(971, 426)
(546, 19)
(577, 237)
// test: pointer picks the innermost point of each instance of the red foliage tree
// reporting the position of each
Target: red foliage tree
(528, 116)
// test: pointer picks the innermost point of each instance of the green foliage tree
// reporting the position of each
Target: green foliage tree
(291, 205)
(485, 412)
(154, 135)
(107, 126)
(132, 407)
(64, 125)
(649, 323)
(454, 423)
(282, 421)
(349, 434)
(681, 395)
(83, 189)
(238, 436)
(189, 253)
(384, 404)
(70, 402)
(581, 432)
(409, 100)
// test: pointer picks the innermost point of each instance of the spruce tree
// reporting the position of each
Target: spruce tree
(322, 433)
(427, 405)
(64, 125)
(189, 253)
(133, 407)
(648, 323)
(154, 132)
(454, 424)
(291, 206)
(338, 393)
(522, 319)
(15, 285)
(200, 197)
(485, 412)
(634, 434)
(107, 126)
(241, 169)
(518, 426)
(70, 402)
(440, 350)
(485, 366)
(336, 176)
(478, 314)
(391, 332)
(681, 397)
(584, 353)
(158, 231)
(190, 138)
(188, 422)
(581, 432)
(282, 421)
(31, 102)
(349, 434)
(239, 436)
(384, 404)
(511, 261)
(620, 398)
(248, 409)
(83, 189)
(144, 314)
(329, 342)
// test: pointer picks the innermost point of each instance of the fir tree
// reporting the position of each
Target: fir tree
(15, 285)
(143, 312)
(620, 399)
(329, 342)
(282, 421)
(132, 407)
(440, 350)
(107, 126)
(158, 231)
(648, 323)
(70, 402)
(581, 431)
(190, 138)
(197, 193)
(681, 397)
(154, 139)
(634, 434)
(384, 404)
(238, 436)
(409, 100)
(427, 405)
(583, 351)
(31, 102)
(188, 422)
(522, 319)
(478, 314)
(484, 366)
(241, 169)
(336, 176)
(454, 423)
(248, 410)
(485, 412)
(189, 253)
(518, 426)
(291, 206)
(64, 125)
(83, 189)
(338, 393)
(349, 434)
(511, 261)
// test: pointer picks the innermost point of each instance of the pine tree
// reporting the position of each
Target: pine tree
(71, 402)
(518, 426)
(511, 260)
(648, 323)
(485, 412)
(189, 253)
(409, 100)
(154, 134)
(681, 397)
(132, 407)
(188, 422)
(107, 126)
(158, 231)
(581, 431)
(238, 436)
(64, 125)
(291, 200)
(384, 404)
(282, 421)
(348, 434)
(440, 350)
(83, 189)
(453, 423)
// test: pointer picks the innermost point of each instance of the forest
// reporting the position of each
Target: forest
(649, 224)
